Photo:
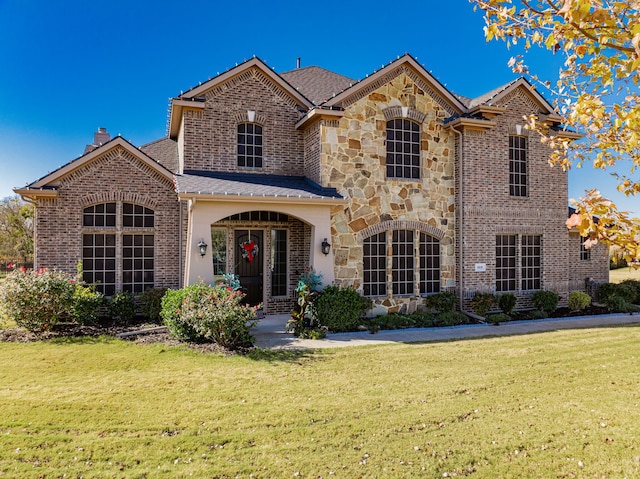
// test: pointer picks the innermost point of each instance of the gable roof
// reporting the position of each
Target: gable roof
(438, 90)
(317, 84)
(45, 186)
(192, 98)
(494, 96)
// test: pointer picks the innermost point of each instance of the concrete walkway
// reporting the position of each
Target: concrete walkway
(270, 332)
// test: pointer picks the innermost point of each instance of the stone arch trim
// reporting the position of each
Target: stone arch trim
(124, 196)
(399, 225)
(394, 112)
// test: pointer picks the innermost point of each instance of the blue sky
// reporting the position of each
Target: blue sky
(69, 67)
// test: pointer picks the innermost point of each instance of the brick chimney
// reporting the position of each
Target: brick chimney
(100, 137)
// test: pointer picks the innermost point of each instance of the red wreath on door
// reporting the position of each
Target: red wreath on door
(249, 250)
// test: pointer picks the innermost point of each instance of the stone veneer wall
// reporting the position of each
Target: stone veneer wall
(489, 210)
(115, 176)
(353, 153)
(210, 135)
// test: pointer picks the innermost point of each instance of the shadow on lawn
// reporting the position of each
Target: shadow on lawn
(281, 355)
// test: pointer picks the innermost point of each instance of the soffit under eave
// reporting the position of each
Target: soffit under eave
(237, 198)
(53, 179)
(415, 71)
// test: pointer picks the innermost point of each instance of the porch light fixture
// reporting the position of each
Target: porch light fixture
(202, 247)
(326, 247)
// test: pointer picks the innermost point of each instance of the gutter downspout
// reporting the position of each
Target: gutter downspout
(460, 220)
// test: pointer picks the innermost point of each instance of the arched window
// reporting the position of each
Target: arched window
(249, 145)
(403, 149)
(118, 230)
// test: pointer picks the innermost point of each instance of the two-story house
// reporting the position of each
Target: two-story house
(391, 184)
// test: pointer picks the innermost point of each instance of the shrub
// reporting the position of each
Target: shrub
(537, 314)
(341, 309)
(152, 303)
(304, 313)
(86, 304)
(218, 315)
(618, 304)
(442, 302)
(632, 285)
(545, 301)
(605, 290)
(507, 302)
(122, 307)
(313, 333)
(451, 318)
(498, 318)
(170, 313)
(37, 300)
(482, 302)
(214, 313)
(578, 300)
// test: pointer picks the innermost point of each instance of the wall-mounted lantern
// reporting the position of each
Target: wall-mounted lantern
(326, 247)
(202, 247)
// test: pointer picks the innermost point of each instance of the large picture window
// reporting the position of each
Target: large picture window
(403, 149)
(518, 261)
(118, 230)
(405, 264)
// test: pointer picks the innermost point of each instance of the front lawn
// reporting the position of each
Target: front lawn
(558, 404)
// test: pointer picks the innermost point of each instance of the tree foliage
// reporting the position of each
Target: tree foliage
(16, 230)
(597, 94)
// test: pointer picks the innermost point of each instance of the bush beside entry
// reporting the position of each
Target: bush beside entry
(209, 313)
(341, 309)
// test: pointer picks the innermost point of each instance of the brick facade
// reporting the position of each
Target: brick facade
(461, 198)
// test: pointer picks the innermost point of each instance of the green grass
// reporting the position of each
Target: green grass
(552, 405)
(620, 274)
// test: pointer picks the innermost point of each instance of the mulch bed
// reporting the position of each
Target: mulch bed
(66, 330)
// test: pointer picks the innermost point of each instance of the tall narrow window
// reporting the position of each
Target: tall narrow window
(429, 264)
(585, 254)
(506, 263)
(375, 265)
(517, 165)
(403, 149)
(219, 252)
(402, 264)
(278, 262)
(99, 261)
(137, 263)
(531, 262)
(250, 145)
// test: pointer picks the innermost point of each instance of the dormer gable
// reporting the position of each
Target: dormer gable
(194, 98)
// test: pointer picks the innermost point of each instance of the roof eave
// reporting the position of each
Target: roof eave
(408, 59)
(470, 124)
(177, 107)
(35, 193)
(317, 114)
(237, 197)
(487, 110)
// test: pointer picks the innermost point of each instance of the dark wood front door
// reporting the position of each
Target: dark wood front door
(249, 263)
